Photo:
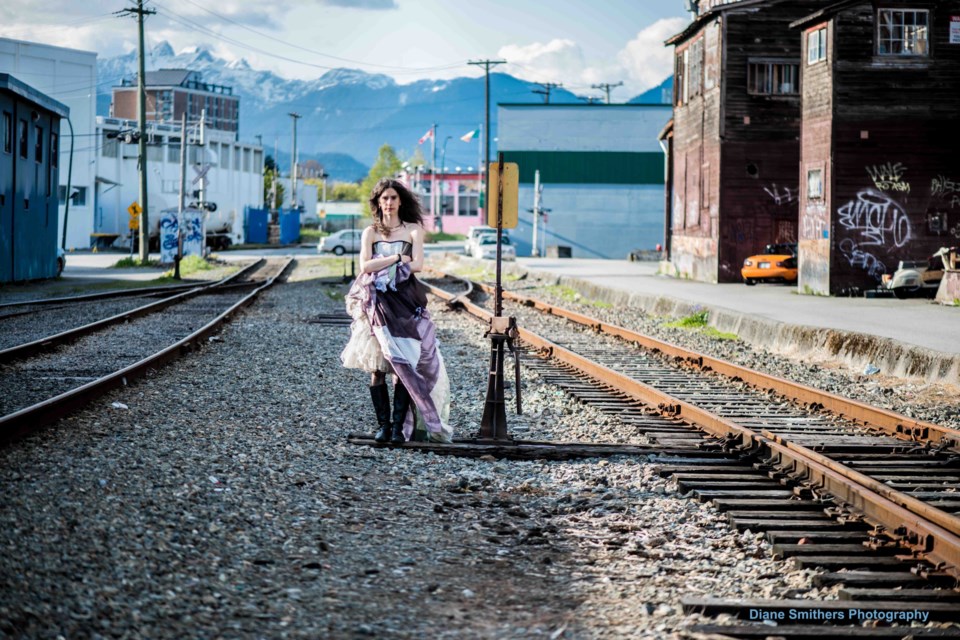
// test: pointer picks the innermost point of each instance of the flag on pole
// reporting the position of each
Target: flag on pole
(471, 135)
(426, 136)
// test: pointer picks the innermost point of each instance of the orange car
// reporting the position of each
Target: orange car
(777, 263)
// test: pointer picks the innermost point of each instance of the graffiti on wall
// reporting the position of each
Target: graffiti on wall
(877, 218)
(858, 258)
(781, 195)
(813, 223)
(889, 177)
(941, 186)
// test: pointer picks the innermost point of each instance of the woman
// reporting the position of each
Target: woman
(392, 331)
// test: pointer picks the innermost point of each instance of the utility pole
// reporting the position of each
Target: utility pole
(547, 88)
(606, 86)
(487, 64)
(183, 188)
(276, 177)
(142, 125)
(433, 172)
(293, 171)
(536, 212)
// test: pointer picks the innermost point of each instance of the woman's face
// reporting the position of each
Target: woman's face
(390, 201)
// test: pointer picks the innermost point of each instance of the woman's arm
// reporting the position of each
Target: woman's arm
(416, 262)
(369, 264)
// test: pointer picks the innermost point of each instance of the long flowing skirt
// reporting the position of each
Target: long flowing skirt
(392, 332)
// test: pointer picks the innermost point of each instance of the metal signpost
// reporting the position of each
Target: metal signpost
(504, 181)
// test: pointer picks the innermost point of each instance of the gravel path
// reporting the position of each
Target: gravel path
(225, 502)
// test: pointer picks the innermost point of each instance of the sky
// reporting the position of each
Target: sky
(577, 43)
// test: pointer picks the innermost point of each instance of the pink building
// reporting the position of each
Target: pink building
(458, 204)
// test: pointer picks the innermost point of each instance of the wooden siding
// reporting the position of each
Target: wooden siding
(736, 155)
(815, 152)
(895, 135)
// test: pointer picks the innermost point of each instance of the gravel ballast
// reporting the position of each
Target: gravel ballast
(226, 502)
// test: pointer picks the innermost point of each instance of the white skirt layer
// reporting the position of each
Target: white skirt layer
(362, 350)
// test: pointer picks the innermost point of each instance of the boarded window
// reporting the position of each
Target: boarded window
(902, 32)
(695, 69)
(22, 142)
(7, 132)
(815, 184)
(773, 78)
(817, 45)
(38, 145)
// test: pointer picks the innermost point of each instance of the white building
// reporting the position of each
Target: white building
(68, 76)
(602, 172)
(233, 181)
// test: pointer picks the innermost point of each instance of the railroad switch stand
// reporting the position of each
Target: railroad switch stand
(503, 332)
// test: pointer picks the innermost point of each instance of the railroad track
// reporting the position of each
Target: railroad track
(868, 496)
(44, 379)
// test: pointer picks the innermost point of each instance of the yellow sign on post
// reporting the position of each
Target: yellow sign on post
(134, 211)
(511, 196)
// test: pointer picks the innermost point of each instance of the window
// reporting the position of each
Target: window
(7, 132)
(773, 78)
(815, 184)
(23, 139)
(469, 205)
(257, 161)
(79, 195)
(173, 150)
(110, 145)
(902, 32)
(817, 45)
(695, 75)
(246, 159)
(678, 80)
(225, 154)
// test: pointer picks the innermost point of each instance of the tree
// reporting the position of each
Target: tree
(345, 192)
(271, 176)
(387, 165)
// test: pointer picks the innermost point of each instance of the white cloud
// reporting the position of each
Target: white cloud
(645, 60)
(556, 61)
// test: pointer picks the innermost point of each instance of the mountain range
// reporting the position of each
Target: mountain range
(348, 114)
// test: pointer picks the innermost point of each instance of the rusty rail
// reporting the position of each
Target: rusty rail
(931, 533)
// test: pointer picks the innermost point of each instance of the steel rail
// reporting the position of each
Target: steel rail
(29, 419)
(43, 344)
(929, 532)
(891, 423)
(117, 293)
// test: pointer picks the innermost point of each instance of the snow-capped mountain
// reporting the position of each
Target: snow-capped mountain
(347, 113)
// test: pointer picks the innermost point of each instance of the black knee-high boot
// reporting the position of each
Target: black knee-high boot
(401, 403)
(381, 404)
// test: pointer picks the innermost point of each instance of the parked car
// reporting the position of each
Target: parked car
(777, 263)
(485, 248)
(917, 277)
(341, 242)
(472, 233)
(61, 261)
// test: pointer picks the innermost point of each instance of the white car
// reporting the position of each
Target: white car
(341, 242)
(485, 248)
(472, 234)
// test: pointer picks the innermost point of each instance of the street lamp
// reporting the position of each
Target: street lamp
(443, 169)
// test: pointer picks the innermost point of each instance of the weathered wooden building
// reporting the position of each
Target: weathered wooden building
(880, 170)
(734, 150)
